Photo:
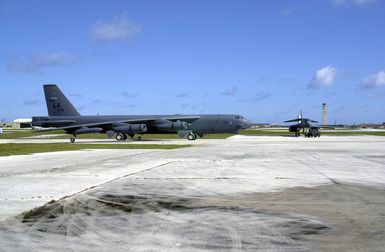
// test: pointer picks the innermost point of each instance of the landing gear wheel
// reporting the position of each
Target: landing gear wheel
(191, 136)
(124, 137)
(72, 139)
(119, 137)
(139, 138)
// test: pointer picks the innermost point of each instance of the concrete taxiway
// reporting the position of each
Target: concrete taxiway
(241, 193)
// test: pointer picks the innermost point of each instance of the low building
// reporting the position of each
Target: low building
(22, 123)
(4, 124)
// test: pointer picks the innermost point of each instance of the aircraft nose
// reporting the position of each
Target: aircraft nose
(247, 124)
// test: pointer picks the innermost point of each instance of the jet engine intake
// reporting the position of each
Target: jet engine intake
(172, 126)
(131, 129)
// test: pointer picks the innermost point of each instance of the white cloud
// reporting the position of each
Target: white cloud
(182, 95)
(35, 64)
(338, 2)
(126, 94)
(257, 97)
(118, 29)
(324, 77)
(288, 11)
(362, 2)
(230, 92)
(353, 2)
(32, 102)
(374, 80)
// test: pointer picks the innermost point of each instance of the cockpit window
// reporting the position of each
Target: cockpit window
(239, 117)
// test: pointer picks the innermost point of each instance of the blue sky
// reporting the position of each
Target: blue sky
(266, 60)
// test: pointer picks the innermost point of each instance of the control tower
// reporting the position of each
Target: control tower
(324, 114)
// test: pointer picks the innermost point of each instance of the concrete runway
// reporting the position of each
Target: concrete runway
(238, 194)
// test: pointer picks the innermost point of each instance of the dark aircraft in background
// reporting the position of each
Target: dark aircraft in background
(62, 115)
(305, 125)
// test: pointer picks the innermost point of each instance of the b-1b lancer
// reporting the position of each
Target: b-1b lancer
(62, 115)
(306, 125)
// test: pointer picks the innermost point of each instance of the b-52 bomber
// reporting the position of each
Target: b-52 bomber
(62, 115)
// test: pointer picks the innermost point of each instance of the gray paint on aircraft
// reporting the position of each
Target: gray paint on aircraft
(63, 115)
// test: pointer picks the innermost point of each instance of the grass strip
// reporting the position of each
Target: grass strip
(353, 133)
(264, 132)
(15, 134)
(323, 133)
(31, 133)
(29, 148)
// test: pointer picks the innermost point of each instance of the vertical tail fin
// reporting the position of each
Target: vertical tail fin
(57, 102)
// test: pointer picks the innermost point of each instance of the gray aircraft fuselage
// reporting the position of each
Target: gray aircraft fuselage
(207, 123)
(64, 116)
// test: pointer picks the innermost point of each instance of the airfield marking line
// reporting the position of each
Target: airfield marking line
(4, 175)
(115, 179)
(319, 172)
(106, 182)
(340, 185)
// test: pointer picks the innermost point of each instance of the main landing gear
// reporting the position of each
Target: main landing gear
(73, 138)
(122, 137)
(191, 136)
(313, 132)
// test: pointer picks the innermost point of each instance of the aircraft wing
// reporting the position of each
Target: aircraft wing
(188, 119)
(293, 120)
(150, 120)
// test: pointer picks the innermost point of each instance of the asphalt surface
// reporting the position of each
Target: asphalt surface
(238, 194)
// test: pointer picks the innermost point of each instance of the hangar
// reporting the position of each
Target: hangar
(22, 123)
